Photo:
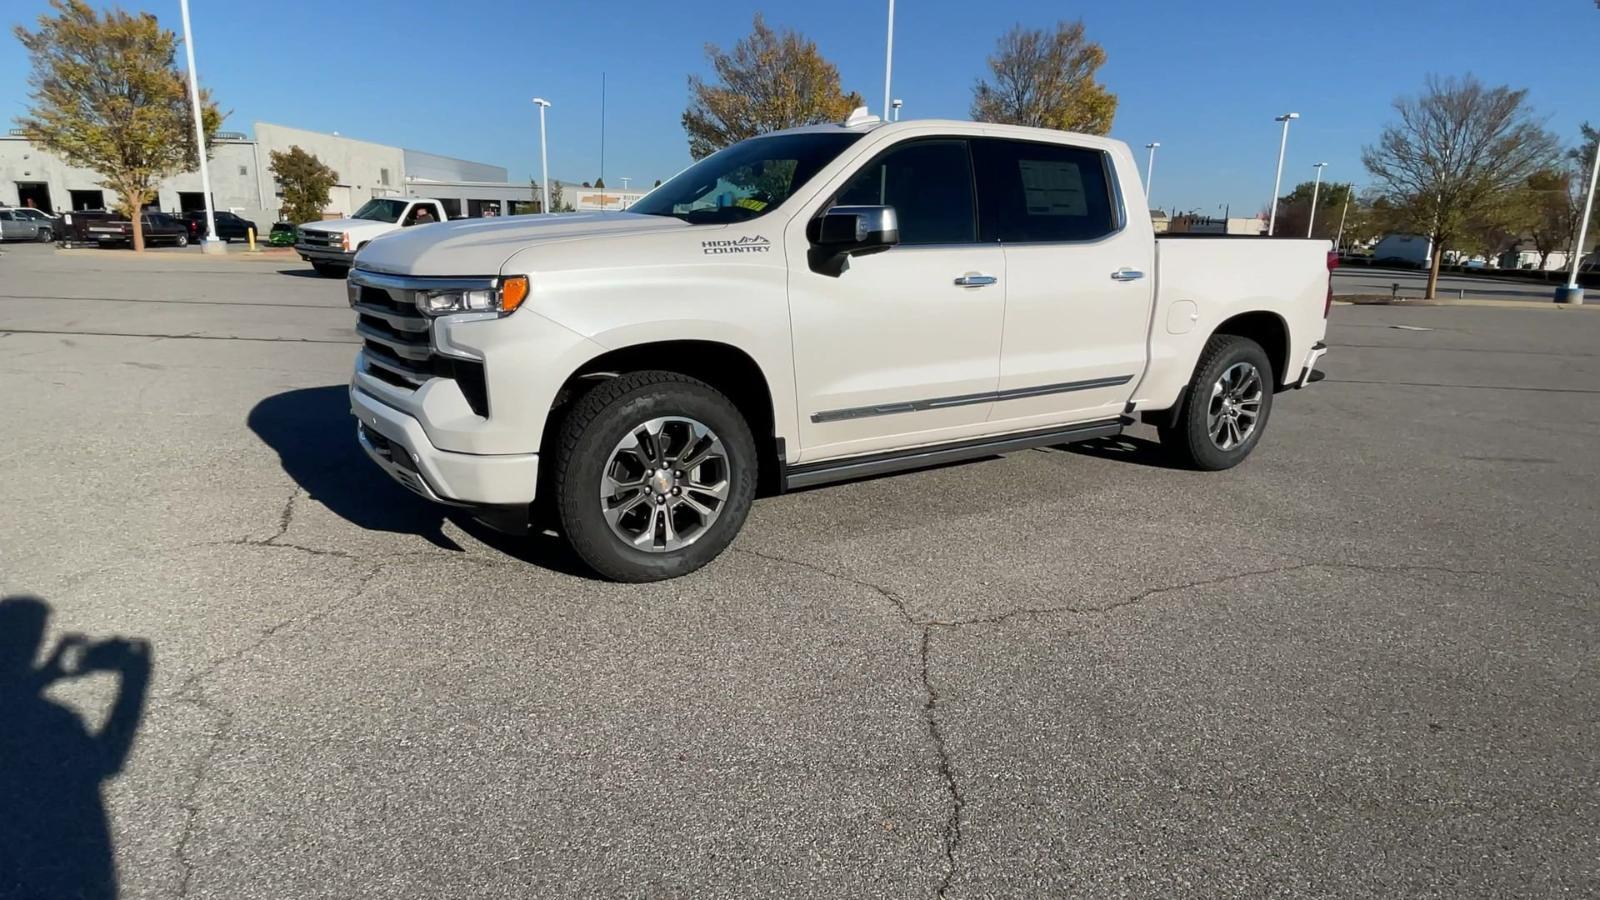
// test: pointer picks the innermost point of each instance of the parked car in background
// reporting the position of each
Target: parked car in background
(230, 227)
(74, 226)
(1412, 250)
(284, 234)
(159, 228)
(331, 246)
(17, 225)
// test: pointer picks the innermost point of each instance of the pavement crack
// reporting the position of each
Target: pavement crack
(276, 539)
(952, 825)
(193, 692)
(896, 601)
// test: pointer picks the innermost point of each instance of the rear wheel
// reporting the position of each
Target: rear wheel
(183, 240)
(653, 476)
(1225, 407)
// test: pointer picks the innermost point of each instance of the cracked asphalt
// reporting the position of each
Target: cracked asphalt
(1362, 664)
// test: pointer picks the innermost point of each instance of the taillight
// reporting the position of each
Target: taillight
(1333, 263)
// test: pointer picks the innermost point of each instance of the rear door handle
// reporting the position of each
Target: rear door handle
(976, 279)
(1126, 274)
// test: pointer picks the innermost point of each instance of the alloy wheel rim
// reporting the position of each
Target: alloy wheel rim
(1235, 408)
(665, 484)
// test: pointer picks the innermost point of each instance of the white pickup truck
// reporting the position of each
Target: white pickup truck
(331, 245)
(814, 305)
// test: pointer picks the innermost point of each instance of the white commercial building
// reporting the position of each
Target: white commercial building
(241, 178)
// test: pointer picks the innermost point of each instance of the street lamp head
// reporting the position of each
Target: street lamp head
(540, 101)
(1286, 117)
(1152, 145)
(897, 103)
(1318, 165)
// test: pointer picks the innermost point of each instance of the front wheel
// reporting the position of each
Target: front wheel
(654, 475)
(45, 236)
(1225, 407)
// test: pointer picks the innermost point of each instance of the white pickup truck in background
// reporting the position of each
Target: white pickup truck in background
(809, 306)
(331, 245)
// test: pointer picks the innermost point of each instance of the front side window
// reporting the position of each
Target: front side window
(1043, 192)
(741, 182)
(929, 184)
(381, 210)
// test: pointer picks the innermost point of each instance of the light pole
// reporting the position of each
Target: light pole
(888, 62)
(1315, 188)
(1571, 293)
(1277, 181)
(544, 160)
(896, 106)
(210, 244)
(1150, 169)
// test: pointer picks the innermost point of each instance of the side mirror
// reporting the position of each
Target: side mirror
(846, 231)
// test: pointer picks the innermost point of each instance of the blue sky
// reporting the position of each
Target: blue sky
(1203, 78)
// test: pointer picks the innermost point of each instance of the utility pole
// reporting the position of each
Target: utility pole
(602, 127)
(210, 244)
(888, 63)
(544, 159)
(1572, 293)
(1277, 181)
(1150, 169)
(1312, 219)
(1339, 241)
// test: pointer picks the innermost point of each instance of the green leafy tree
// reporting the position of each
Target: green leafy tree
(107, 96)
(1294, 209)
(769, 81)
(558, 203)
(1045, 79)
(1457, 150)
(600, 183)
(304, 182)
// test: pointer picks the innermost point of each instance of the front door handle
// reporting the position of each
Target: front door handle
(1126, 274)
(976, 279)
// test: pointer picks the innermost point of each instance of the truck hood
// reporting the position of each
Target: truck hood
(482, 246)
(338, 225)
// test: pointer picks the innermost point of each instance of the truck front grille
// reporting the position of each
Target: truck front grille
(397, 339)
(326, 239)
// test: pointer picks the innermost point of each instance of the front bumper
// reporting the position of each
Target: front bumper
(1309, 373)
(311, 253)
(398, 444)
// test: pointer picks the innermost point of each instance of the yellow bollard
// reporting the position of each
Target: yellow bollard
(251, 234)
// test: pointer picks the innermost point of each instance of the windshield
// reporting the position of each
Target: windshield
(381, 210)
(744, 181)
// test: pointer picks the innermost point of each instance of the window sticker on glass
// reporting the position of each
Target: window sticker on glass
(1053, 188)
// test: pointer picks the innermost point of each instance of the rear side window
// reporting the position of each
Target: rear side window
(1043, 192)
(929, 184)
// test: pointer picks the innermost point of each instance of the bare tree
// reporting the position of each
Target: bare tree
(1046, 79)
(1458, 148)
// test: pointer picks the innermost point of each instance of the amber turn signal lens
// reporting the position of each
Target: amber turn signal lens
(513, 291)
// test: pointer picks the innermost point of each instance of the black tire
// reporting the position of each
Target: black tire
(182, 240)
(45, 236)
(592, 429)
(1188, 442)
(330, 270)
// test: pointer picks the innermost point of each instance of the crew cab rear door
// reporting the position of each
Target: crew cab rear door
(1078, 281)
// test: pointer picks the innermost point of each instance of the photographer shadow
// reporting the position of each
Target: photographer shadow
(55, 838)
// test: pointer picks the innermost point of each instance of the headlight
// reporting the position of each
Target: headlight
(503, 298)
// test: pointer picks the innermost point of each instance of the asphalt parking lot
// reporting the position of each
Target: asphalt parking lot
(1362, 664)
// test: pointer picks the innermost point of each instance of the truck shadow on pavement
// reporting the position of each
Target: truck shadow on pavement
(314, 434)
(1124, 448)
(315, 437)
(55, 837)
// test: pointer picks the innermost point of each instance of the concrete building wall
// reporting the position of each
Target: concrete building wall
(366, 170)
(433, 167)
